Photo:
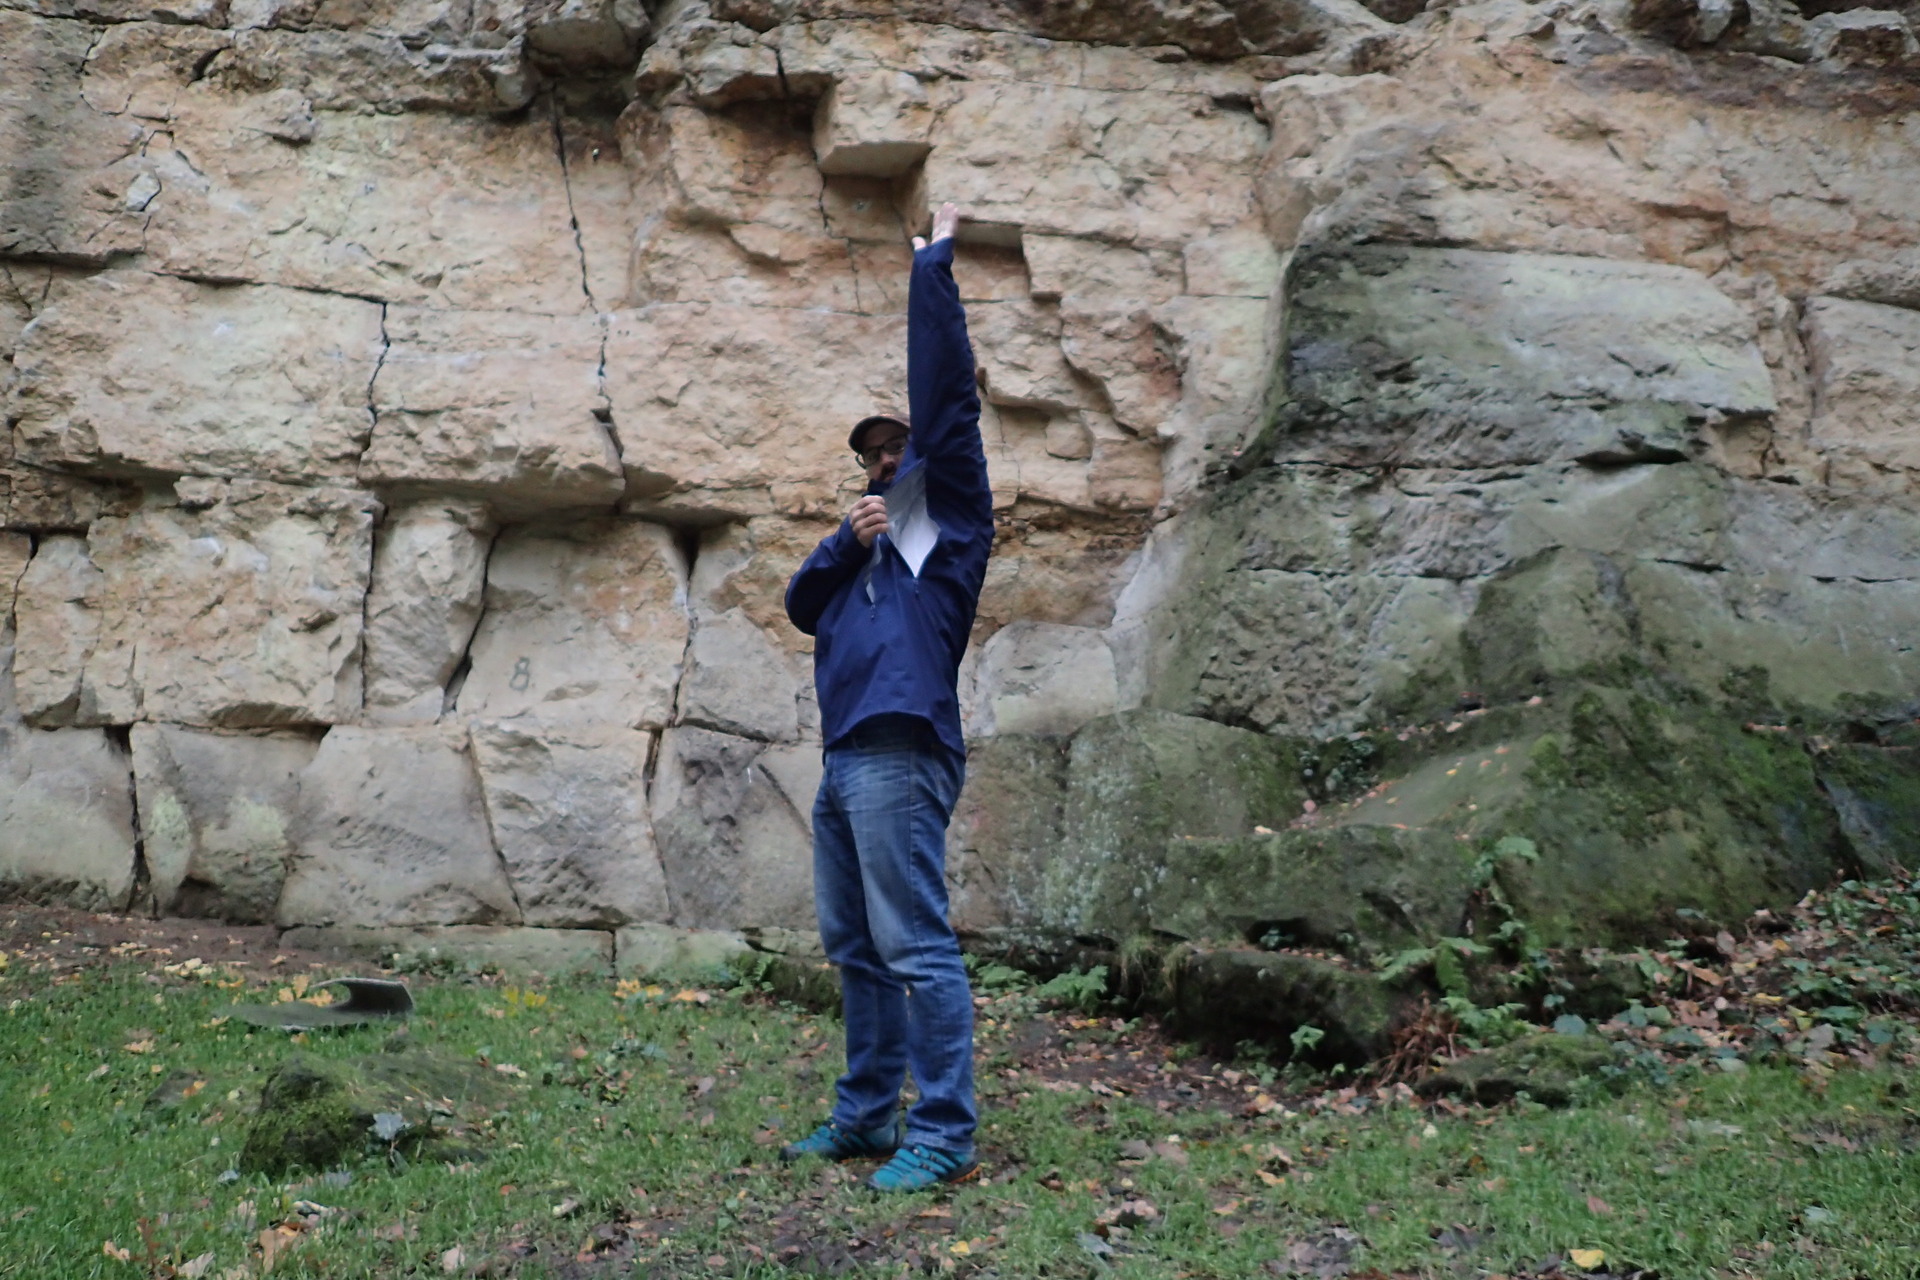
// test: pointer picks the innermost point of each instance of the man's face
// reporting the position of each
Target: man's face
(880, 452)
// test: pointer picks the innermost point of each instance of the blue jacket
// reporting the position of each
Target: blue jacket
(886, 640)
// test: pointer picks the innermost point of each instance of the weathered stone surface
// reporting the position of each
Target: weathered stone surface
(1426, 357)
(429, 574)
(745, 410)
(511, 949)
(582, 625)
(730, 818)
(873, 126)
(391, 830)
(568, 811)
(1548, 1067)
(739, 624)
(73, 184)
(499, 405)
(465, 214)
(215, 814)
(662, 951)
(1006, 825)
(66, 805)
(237, 604)
(1041, 678)
(348, 70)
(1866, 374)
(1231, 995)
(16, 550)
(132, 372)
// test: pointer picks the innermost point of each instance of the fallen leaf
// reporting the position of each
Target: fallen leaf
(194, 1268)
(139, 1046)
(1172, 1153)
(1272, 1179)
(114, 1251)
(453, 1259)
(1587, 1259)
(960, 1248)
(692, 997)
(508, 1069)
(566, 1208)
(1596, 1205)
(98, 1071)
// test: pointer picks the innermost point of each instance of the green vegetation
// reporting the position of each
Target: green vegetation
(630, 1129)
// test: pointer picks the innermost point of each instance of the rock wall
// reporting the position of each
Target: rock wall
(415, 411)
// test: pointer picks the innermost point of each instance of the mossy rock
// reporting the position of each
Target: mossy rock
(1547, 1066)
(1227, 996)
(320, 1114)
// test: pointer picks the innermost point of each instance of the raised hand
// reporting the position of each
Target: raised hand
(869, 518)
(944, 223)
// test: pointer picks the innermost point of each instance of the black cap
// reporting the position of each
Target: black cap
(860, 428)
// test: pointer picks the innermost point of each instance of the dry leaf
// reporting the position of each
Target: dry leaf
(1596, 1205)
(139, 1046)
(453, 1259)
(194, 1268)
(114, 1251)
(1587, 1259)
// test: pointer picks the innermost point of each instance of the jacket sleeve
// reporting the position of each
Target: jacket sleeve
(942, 398)
(811, 590)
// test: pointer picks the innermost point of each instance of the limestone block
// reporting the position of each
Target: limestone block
(750, 165)
(748, 669)
(583, 626)
(514, 950)
(748, 265)
(1111, 328)
(57, 502)
(1017, 345)
(429, 575)
(391, 830)
(662, 951)
(1864, 38)
(875, 125)
(416, 22)
(1006, 828)
(745, 410)
(1866, 371)
(144, 373)
(1147, 168)
(735, 842)
(568, 810)
(1053, 565)
(1237, 263)
(738, 681)
(494, 404)
(66, 817)
(421, 207)
(141, 68)
(66, 802)
(1041, 678)
(1462, 358)
(353, 70)
(67, 172)
(16, 549)
(239, 606)
(215, 812)
(584, 34)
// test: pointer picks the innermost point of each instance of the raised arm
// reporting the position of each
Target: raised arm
(943, 400)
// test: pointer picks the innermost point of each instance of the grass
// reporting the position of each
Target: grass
(641, 1141)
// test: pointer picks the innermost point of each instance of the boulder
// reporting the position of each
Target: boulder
(582, 625)
(1875, 792)
(1548, 1067)
(499, 405)
(391, 830)
(1227, 996)
(569, 814)
(732, 820)
(316, 1114)
(1006, 828)
(429, 575)
(138, 373)
(237, 604)
(215, 818)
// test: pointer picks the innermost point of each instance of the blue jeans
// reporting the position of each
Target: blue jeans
(879, 885)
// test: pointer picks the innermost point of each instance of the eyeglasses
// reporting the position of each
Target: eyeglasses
(870, 456)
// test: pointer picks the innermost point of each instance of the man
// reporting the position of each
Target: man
(890, 599)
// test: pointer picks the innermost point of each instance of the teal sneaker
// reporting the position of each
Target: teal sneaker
(831, 1142)
(917, 1168)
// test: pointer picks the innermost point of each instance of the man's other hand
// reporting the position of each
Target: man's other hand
(869, 518)
(944, 223)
